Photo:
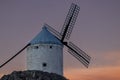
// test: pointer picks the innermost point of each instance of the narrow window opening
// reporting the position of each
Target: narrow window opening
(50, 47)
(44, 64)
(36, 47)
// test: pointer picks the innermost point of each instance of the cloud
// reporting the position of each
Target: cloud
(105, 73)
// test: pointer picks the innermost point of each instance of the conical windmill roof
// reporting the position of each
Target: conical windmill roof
(45, 37)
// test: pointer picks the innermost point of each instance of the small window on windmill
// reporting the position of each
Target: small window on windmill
(51, 47)
(36, 47)
(44, 64)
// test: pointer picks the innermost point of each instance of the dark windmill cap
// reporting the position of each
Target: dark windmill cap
(45, 37)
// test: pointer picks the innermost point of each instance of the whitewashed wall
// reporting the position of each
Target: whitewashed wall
(45, 57)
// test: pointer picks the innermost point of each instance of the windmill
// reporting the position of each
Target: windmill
(39, 57)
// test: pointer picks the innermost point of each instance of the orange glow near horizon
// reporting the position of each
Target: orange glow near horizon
(105, 73)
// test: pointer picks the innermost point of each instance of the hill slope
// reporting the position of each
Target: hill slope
(32, 75)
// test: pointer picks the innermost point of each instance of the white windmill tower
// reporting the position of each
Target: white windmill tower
(45, 51)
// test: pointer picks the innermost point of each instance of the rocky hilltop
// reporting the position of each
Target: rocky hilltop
(32, 75)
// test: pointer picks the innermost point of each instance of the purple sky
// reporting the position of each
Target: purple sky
(97, 29)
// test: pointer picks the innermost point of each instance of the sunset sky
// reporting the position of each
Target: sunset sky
(97, 32)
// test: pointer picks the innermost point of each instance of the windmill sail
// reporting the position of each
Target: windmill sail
(79, 54)
(66, 31)
(80, 51)
(78, 57)
(70, 21)
(53, 31)
(14, 56)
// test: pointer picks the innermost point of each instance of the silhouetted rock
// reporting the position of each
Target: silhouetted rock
(32, 75)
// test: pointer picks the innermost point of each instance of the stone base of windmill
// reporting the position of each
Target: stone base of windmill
(32, 75)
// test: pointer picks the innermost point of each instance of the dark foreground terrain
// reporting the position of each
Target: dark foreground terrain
(32, 75)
